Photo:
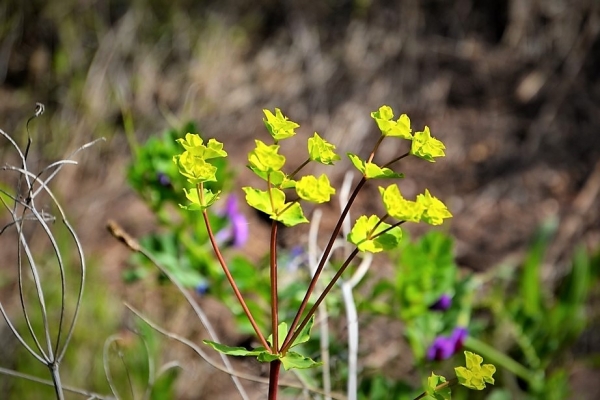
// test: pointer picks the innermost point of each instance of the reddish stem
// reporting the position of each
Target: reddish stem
(274, 368)
(313, 309)
(274, 300)
(237, 292)
(313, 281)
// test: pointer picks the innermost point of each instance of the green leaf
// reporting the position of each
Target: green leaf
(363, 231)
(278, 125)
(265, 158)
(234, 351)
(427, 147)
(282, 331)
(439, 394)
(371, 170)
(475, 375)
(435, 211)
(304, 336)
(298, 361)
(314, 190)
(401, 128)
(400, 208)
(321, 151)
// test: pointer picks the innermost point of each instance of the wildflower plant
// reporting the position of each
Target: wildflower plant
(370, 234)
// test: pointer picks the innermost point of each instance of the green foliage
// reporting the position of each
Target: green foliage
(289, 360)
(183, 249)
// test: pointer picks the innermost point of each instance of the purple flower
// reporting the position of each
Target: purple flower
(202, 288)
(444, 347)
(442, 304)
(163, 179)
(237, 229)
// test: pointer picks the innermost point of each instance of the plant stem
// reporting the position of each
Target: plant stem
(56, 381)
(274, 303)
(291, 176)
(294, 334)
(313, 281)
(274, 368)
(237, 292)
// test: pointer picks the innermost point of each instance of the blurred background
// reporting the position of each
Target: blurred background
(511, 87)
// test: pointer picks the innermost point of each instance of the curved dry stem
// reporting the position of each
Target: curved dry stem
(52, 353)
(105, 349)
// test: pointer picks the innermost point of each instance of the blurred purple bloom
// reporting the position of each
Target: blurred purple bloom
(163, 179)
(295, 258)
(444, 347)
(237, 229)
(202, 288)
(442, 304)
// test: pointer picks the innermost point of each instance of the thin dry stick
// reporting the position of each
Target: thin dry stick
(89, 394)
(133, 245)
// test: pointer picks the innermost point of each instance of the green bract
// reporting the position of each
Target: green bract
(363, 231)
(289, 214)
(193, 144)
(315, 190)
(475, 375)
(278, 125)
(198, 204)
(265, 158)
(388, 127)
(400, 208)
(321, 151)
(433, 392)
(435, 211)
(371, 170)
(427, 147)
(194, 168)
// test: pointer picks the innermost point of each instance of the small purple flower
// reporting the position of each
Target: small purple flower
(202, 288)
(237, 229)
(442, 304)
(444, 347)
(163, 179)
